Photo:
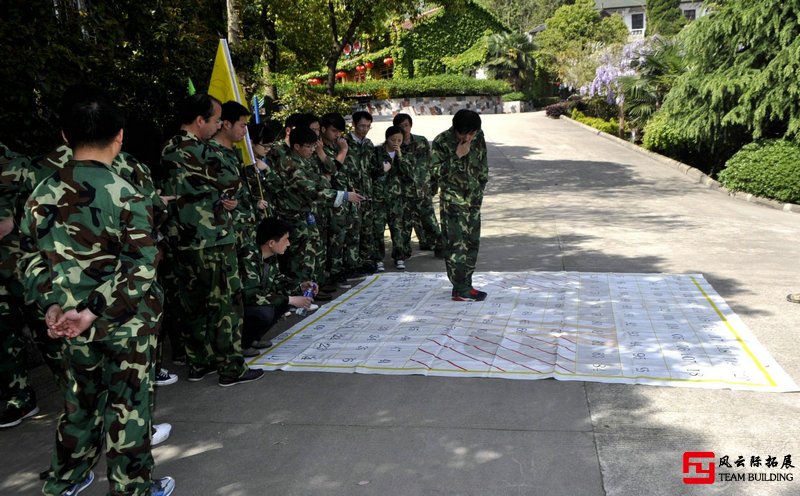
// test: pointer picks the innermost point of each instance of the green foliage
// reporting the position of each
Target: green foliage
(607, 126)
(448, 32)
(742, 78)
(510, 58)
(656, 74)
(514, 96)
(425, 67)
(299, 98)
(141, 52)
(523, 15)
(768, 168)
(472, 58)
(573, 34)
(440, 85)
(664, 17)
(662, 136)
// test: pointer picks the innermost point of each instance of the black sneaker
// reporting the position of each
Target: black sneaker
(355, 276)
(471, 295)
(14, 415)
(249, 375)
(198, 373)
(164, 378)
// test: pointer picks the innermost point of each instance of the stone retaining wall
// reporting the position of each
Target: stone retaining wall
(446, 105)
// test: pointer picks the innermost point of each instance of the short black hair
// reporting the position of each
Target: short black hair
(361, 114)
(272, 229)
(232, 111)
(466, 121)
(199, 104)
(75, 94)
(93, 121)
(302, 136)
(401, 118)
(306, 119)
(392, 130)
(334, 120)
(292, 120)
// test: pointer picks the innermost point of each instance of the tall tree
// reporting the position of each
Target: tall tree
(664, 17)
(510, 57)
(741, 82)
(524, 15)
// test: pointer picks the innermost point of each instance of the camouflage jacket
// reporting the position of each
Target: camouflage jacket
(94, 229)
(358, 163)
(274, 289)
(389, 186)
(199, 181)
(304, 189)
(461, 180)
(244, 215)
(418, 153)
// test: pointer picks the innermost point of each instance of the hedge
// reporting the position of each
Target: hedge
(768, 168)
(607, 126)
(441, 85)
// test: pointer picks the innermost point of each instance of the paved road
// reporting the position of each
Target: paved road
(559, 198)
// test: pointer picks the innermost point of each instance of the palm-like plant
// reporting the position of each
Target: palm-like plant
(509, 57)
(645, 92)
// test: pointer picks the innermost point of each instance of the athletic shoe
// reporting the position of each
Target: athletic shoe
(343, 284)
(400, 264)
(179, 360)
(198, 373)
(793, 298)
(313, 307)
(77, 488)
(261, 344)
(164, 378)
(355, 276)
(471, 295)
(250, 352)
(379, 267)
(162, 487)
(249, 375)
(160, 433)
(14, 415)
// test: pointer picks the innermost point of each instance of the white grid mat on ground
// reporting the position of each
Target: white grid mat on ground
(657, 329)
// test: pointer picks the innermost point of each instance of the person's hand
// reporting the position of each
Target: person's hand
(300, 301)
(6, 226)
(73, 323)
(167, 198)
(230, 204)
(354, 197)
(463, 148)
(343, 146)
(51, 317)
(310, 285)
(396, 149)
(387, 166)
(262, 204)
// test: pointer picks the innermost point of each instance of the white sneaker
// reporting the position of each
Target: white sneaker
(164, 378)
(400, 264)
(313, 307)
(160, 433)
(379, 267)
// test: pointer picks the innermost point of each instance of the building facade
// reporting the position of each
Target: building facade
(634, 14)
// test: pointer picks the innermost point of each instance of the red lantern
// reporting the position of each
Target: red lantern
(361, 68)
(341, 75)
(369, 65)
(347, 49)
(388, 61)
(314, 81)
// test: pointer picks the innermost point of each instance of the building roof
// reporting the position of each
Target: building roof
(617, 4)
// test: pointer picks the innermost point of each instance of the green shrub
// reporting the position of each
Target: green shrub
(441, 85)
(610, 126)
(514, 96)
(426, 67)
(662, 137)
(769, 168)
(544, 101)
(299, 98)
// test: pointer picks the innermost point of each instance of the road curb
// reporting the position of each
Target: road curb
(690, 171)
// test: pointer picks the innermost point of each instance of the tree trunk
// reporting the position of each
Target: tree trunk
(234, 9)
(270, 53)
(621, 128)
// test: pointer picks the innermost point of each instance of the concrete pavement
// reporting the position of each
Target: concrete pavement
(559, 198)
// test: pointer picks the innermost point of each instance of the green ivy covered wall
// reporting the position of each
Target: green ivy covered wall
(448, 32)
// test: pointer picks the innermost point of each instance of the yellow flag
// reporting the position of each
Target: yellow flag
(225, 87)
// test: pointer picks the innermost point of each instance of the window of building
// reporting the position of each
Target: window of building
(690, 14)
(637, 21)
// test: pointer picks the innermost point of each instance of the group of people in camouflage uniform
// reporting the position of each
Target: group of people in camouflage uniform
(101, 261)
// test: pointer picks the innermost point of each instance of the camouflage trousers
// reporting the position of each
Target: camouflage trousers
(341, 221)
(378, 229)
(423, 219)
(399, 227)
(172, 318)
(302, 261)
(366, 243)
(352, 240)
(211, 297)
(318, 239)
(108, 401)
(14, 315)
(461, 231)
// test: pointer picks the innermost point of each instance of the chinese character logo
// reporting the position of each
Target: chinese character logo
(703, 464)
